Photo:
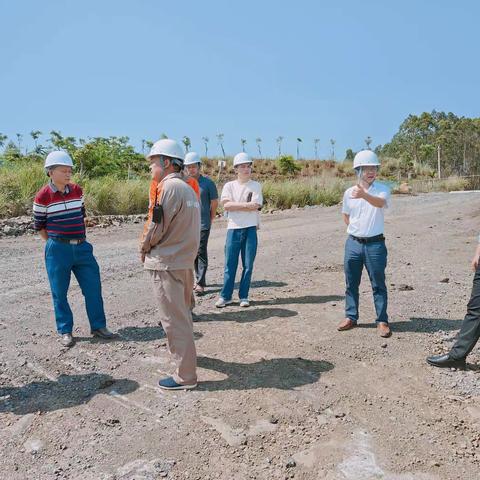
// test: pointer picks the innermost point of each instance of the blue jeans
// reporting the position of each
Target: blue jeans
(61, 259)
(374, 257)
(243, 242)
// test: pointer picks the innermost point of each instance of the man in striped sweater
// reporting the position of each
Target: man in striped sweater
(59, 219)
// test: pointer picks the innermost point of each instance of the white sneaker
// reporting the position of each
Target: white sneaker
(221, 303)
(245, 302)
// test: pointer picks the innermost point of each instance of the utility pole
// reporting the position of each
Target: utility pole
(438, 162)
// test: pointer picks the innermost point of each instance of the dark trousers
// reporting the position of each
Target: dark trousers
(470, 329)
(201, 262)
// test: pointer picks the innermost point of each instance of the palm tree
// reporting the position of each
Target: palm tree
(368, 141)
(332, 143)
(299, 141)
(220, 142)
(3, 139)
(243, 141)
(35, 134)
(315, 143)
(279, 143)
(205, 141)
(258, 140)
(19, 140)
(163, 136)
(186, 141)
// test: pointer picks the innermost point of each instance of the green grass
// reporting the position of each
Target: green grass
(319, 183)
(302, 192)
(18, 186)
(111, 196)
(103, 196)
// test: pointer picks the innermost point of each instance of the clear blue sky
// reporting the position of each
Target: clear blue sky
(342, 70)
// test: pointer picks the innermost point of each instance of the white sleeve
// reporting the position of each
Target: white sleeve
(385, 194)
(345, 206)
(226, 193)
(257, 196)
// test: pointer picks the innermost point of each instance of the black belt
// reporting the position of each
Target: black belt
(376, 238)
(71, 241)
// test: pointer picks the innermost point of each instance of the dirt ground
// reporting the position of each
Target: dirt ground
(282, 393)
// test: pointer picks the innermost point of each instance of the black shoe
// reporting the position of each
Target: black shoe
(104, 333)
(446, 361)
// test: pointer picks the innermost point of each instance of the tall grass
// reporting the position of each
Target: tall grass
(103, 196)
(319, 183)
(434, 185)
(111, 196)
(302, 192)
(18, 185)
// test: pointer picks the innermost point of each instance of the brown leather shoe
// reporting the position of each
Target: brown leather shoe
(384, 330)
(346, 324)
(199, 290)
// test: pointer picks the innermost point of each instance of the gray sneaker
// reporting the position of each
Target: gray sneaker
(222, 303)
(66, 340)
(104, 333)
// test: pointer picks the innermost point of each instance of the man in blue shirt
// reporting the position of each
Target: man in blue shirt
(209, 204)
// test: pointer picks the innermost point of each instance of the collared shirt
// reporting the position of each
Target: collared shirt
(365, 219)
(208, 193)
(54, 188)
(173, 243)
(60, 214)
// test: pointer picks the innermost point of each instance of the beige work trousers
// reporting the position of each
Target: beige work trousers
(173, 293)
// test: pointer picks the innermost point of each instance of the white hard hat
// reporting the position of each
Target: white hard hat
(191, 158)
(240, 158)
(58, 157)
(168, 148)
(365, 158)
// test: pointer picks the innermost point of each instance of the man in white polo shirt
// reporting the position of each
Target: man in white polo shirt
(242, 199)
(363, 212)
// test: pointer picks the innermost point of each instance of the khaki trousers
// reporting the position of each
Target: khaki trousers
(173, 293)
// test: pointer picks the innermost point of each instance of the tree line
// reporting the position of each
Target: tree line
(439, 140)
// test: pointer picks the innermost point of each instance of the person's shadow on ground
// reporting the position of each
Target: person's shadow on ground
(244, 316)
(135, 334)
(420, 325)
(299, 300)
(65, 392)
(280, 373)
(217, 287)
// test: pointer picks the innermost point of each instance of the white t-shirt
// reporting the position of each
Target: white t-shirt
(365, 219)
(238, 192)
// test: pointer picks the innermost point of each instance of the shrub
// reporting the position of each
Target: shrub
(287, 165)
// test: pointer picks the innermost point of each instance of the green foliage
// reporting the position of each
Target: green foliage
(287, 165)
(419, 137)
(349, 154)
(108, 156)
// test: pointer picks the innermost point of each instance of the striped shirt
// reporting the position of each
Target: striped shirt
(60, 214)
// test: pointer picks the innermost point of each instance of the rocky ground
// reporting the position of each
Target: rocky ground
(282, 393)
